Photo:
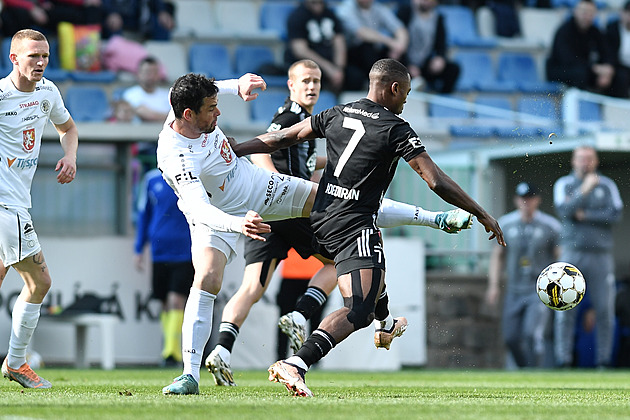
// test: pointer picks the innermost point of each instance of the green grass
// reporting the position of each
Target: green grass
(409, 394)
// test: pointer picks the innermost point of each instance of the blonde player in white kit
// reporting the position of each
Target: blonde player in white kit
(27, 103)
(223, 196)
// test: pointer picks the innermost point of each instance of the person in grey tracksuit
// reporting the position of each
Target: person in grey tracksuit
(588, 205)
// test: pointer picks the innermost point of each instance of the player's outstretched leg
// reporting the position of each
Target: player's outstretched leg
(384, 334)
(24, 376)
(182, 385)
(291, 376)
(219, 368)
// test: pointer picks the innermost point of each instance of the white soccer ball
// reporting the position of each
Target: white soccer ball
(561, 286)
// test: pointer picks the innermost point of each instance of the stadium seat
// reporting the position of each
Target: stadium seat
(477, 73)
(103, 76)
(326, 100)
(266, 105)
(590, 111)
(521, 69)
(194, 18)
(461, 27)
(172, 55)
(259, 59)
(87, 103)
(541, 106)
(237, 17)
(274, 15)
(437, 110)
(213, 60)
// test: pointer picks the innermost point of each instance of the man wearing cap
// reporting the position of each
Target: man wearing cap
(532, 237)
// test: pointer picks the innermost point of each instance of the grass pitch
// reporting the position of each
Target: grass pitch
(408, 394)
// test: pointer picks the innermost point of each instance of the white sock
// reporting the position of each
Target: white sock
(394, 213)
(297, 361)
(196, 329)
(224, 353)
(24, 320)
(385, 324)
(298, 317)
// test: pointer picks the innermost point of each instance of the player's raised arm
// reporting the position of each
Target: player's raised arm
(441, 184)
(272, 141)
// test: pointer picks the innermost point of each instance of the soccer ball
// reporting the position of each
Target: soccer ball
(561, 286)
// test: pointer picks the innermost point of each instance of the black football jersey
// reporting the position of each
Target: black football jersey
(364, 141)
(300, 159)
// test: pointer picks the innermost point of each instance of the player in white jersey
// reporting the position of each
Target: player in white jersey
(223, 196)
(27, 103)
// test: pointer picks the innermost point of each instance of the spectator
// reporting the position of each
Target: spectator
(588, 205)
(579, 54)
(618, 40)
(148, 98)
(161, 223)
(315, 33)
(372, 32)
(426, 55)
(46, 14)
(532, 237)
(149, 19)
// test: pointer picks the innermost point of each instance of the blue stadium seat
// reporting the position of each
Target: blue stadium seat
(541, 106)
(477, 73)
(256, 59)
(590, 111)
(445, 111)
(500, 102)
(266, 105)
(87, 103)
(326, 100)
(274, 16)
(103, 76)
(461, 27)
(520, 69)
(213, 60)
(6, 49)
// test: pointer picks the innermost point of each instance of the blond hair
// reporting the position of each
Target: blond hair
(25, 34)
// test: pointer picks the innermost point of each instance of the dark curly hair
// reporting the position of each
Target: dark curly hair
(189, 91)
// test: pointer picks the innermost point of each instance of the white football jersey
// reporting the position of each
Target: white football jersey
(23, 116)
(207, 176)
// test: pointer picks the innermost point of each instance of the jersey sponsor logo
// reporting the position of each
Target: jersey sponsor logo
(362, 112)
(274, 127)
(341, 192)
(226, 152)
(272, 187)
(30, 118)
(22, 163)
(28, 140)
(5, 96)
(185, 177)
(28, 104)
(204, 143)
(222, 186)
(283, 194)
(10, 114)
(415, 142)
(45, 106)
(44, 88)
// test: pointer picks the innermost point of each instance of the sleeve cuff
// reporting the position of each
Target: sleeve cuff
(229, 86)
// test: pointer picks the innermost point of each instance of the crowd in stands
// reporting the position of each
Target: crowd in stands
(346, 36)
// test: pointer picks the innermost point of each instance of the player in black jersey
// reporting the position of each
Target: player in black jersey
(365, 139)
(261, 258)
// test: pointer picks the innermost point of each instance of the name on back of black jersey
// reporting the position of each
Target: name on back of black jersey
(341, 192)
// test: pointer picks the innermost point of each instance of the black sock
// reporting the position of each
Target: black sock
(227, 335)
(313, 299)
(316, 346)
(382, 306)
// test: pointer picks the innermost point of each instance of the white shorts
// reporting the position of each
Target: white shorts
(278, 197)
(18, 239)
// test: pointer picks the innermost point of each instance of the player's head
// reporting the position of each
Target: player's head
(305, 83)
(390, 84)
(584, 160)
(148, 74)
(315, 6)
(29, 54)
(194, 99)
(584, 14)
(526, 199)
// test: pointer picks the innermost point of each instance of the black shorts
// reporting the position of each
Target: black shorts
(359, 248)
(172, 277)
(285, 234)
